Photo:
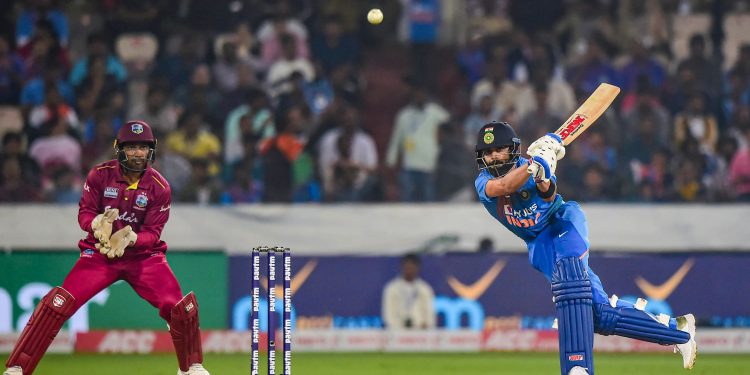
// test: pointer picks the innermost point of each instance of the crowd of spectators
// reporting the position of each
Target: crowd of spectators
(303, 101)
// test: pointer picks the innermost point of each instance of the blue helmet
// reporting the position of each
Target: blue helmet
(497, 135)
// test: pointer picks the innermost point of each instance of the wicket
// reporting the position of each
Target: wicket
(287, 296)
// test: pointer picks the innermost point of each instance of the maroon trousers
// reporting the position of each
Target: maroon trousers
(148, 274)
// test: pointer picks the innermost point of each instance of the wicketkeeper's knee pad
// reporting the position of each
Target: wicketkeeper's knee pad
(636, 324)
(185, 330)
(571, 291)
(45, 323)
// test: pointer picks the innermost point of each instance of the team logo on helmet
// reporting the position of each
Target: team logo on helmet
(136, 128)
(141, 200)
(489, 137)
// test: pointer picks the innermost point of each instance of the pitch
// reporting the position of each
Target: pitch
(395, 364)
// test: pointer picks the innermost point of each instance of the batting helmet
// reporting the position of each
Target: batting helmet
(135, 132)
(497, 135)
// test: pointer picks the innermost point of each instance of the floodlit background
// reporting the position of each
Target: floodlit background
(297, 123)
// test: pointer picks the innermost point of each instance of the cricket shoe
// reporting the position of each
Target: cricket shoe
(15, 370)
(578, 370)
(195, 369)
(689, 350)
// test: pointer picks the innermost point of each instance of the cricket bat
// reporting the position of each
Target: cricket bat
(587, 113)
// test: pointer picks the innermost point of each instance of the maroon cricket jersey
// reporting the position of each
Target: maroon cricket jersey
(144, 206)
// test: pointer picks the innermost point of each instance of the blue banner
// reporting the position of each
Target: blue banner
(477, 290)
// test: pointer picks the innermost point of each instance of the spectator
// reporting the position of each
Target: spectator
(65, 186)
(44, 114)
(541, 117)
(202, 188)
(99, 88)
(13, 149)
(199, 95)
(245, 187)
(282, 69)
(259, 121)
(347, 160)
(739, 171)
(33, 91)
(193, 141)
(157, 110)
(407, 299)
(43, 49)
(13, 187)
(414, 140)
(282, 154)
(696, 122)
(97, 46)
(46, 10)
(271, 34)
(12, 73)
(57, 147)
(707, 72)
(226, 70)
(334, 47)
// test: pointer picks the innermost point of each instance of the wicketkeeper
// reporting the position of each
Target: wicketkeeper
(522, 195)
(124, 207)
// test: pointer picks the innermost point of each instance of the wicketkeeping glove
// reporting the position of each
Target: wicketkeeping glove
(550, 141)
(102, 225)
(118, 242)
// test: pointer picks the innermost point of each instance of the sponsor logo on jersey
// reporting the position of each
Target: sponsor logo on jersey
(163, 208)
(128, 217)
(141, 201)
(528, 211)
(86, 187)
(111, 192)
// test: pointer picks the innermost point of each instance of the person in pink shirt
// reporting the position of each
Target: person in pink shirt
(124, 206)
(739, 171)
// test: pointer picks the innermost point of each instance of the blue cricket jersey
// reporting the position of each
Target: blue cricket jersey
(551, 230)
(524, 212)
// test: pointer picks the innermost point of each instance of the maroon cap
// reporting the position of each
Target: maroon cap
(135, 131)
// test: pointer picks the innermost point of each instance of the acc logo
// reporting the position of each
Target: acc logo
(58, 300)
(136, 128)
(575, 357)
(141, 200)
(488, 136)
(525, 194)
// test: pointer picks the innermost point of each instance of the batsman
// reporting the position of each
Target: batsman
(124, 207)
(522, 195)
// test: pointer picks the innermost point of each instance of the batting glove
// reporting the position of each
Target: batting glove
(549, 141)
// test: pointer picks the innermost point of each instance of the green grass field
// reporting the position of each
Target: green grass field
(395, 364)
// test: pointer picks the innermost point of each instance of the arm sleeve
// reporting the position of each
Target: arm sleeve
(90, 204)
(480, 183)
(153, 224)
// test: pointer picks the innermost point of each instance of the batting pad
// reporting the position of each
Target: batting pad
(45, 323)
(186, 334)
(636, 324)
(571, 292)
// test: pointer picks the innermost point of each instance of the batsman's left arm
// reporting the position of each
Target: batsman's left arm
(150, 231)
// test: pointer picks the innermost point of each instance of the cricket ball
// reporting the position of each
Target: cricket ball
(375, 16)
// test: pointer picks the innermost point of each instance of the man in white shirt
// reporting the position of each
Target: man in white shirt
(407, 299)
(415, 141)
